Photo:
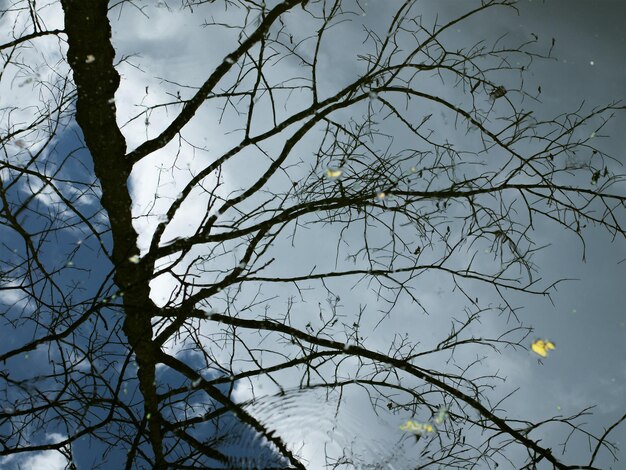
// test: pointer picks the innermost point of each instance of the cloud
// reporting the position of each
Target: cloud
(29, 82)
(51, 460)
(46, 460)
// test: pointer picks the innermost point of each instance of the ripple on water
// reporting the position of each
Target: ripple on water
(329, 430)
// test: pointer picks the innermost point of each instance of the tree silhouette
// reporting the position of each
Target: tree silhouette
(423, 162)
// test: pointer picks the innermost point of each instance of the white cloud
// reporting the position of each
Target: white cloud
(28, 88)
(46, 460)
(51, 460)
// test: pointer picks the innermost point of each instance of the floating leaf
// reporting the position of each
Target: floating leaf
(134, 259)
(595, 177)
(497, 92)
(419, 428)
(442, 414)
(333, 173)
(542, 346)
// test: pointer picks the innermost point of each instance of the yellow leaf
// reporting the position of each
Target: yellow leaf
(332, 173)
(416, 427)
(409, 426)
(542, 346)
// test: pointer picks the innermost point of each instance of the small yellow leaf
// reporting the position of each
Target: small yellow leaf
(409, 426)
(381, 195)
(419, 428)
(542, 346)
(333, 173)
(134, 259)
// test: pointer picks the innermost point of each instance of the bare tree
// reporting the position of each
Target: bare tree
(422, 161)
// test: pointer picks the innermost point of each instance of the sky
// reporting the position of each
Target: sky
(586, 318)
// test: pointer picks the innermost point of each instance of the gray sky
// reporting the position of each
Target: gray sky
(587, 319)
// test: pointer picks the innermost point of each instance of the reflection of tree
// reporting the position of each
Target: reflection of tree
(405, 208)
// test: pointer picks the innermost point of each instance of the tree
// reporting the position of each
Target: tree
(130, 326)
